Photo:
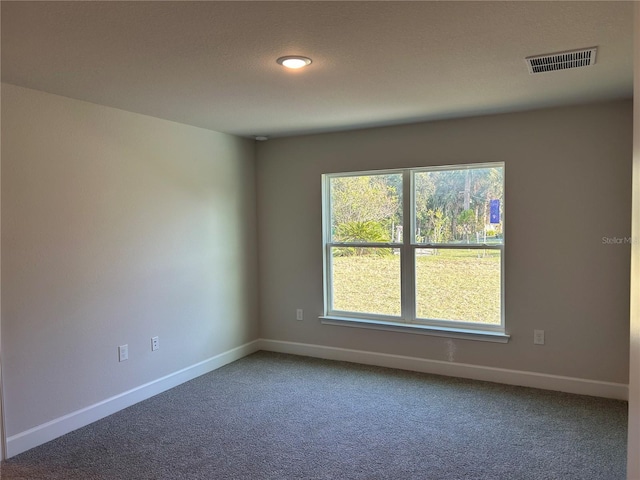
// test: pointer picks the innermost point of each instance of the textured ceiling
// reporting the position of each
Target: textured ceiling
(212, 64)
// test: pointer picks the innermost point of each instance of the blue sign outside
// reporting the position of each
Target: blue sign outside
(494, 211)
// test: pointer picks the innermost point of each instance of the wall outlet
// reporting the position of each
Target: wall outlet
(155, 343)
(299, 314)
(123, 353)
(538, 337)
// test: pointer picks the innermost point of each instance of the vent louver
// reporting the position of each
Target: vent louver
(562, 60)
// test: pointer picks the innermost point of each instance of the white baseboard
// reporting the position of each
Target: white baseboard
(40, 434)
(579, 386)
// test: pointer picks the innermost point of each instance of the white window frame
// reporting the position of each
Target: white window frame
(407, 321)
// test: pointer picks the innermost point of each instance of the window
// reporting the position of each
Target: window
(416, 247)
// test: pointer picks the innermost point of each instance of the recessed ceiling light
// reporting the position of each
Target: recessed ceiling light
(294, 61)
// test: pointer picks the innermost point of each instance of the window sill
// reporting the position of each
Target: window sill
(462, 333)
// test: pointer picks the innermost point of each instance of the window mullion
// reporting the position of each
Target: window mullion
(327, 284)
(408, 257)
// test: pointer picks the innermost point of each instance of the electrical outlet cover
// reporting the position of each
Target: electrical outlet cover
(123, 353)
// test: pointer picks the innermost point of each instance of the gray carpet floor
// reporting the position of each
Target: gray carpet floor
(274, 416)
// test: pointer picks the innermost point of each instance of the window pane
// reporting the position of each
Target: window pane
(459, 285)
(459, 206)
(366, 208)
(366, 280)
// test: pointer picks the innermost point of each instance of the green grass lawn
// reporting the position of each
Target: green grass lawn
(459, 285)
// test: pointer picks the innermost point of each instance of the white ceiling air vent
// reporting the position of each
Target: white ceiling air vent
(562, 60)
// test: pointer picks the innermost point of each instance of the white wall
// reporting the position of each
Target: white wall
(568, 185)
(117, 227)
(2, 435)
(633, 458)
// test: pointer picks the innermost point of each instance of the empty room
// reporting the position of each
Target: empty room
(319, 240)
